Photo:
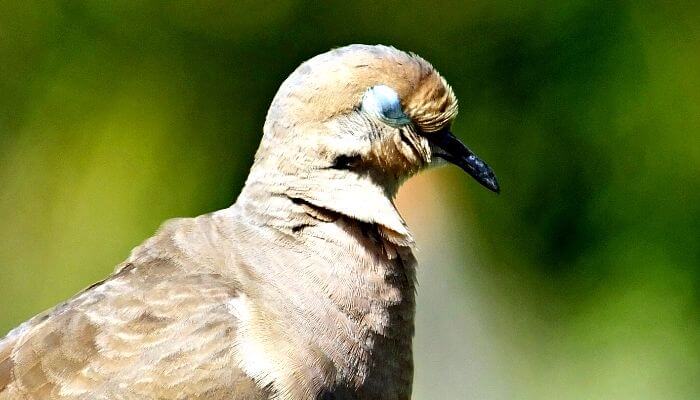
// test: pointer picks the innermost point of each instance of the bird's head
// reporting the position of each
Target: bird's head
(368, 109)
(360, 119)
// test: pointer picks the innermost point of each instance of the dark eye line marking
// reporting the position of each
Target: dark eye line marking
(346, 161)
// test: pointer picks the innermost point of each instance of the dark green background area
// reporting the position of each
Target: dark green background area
(115, 116)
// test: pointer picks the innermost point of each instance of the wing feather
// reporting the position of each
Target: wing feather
(149, 331)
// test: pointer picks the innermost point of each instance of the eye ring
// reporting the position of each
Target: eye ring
(383, 102)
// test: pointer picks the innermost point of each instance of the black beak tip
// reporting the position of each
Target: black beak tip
(493, 186)
(483, 174)
(489, 181)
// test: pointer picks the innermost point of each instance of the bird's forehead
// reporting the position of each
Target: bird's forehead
(333, 83)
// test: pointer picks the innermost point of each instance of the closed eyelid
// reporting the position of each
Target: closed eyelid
(383, 102)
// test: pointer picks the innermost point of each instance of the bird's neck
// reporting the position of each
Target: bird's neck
(345, 286)
(358, 197)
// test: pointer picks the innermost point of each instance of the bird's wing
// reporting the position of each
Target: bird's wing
(149, 331)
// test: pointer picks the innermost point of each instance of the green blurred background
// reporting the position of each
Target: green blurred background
(580, 281)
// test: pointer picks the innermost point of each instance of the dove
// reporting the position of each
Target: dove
(304, 288)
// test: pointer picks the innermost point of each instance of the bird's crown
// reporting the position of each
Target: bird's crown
(334, 83)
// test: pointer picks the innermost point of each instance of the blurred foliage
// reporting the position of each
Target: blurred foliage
(115, 116)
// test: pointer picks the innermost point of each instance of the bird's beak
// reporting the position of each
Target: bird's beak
(451, 149)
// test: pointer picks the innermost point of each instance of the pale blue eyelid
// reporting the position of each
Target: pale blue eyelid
(384, 102)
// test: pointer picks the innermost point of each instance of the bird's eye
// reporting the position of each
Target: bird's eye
(383, 102)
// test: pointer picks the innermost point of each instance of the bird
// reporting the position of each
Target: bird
(304, 288)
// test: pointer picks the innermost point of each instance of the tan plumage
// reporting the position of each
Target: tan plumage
(304, 288)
